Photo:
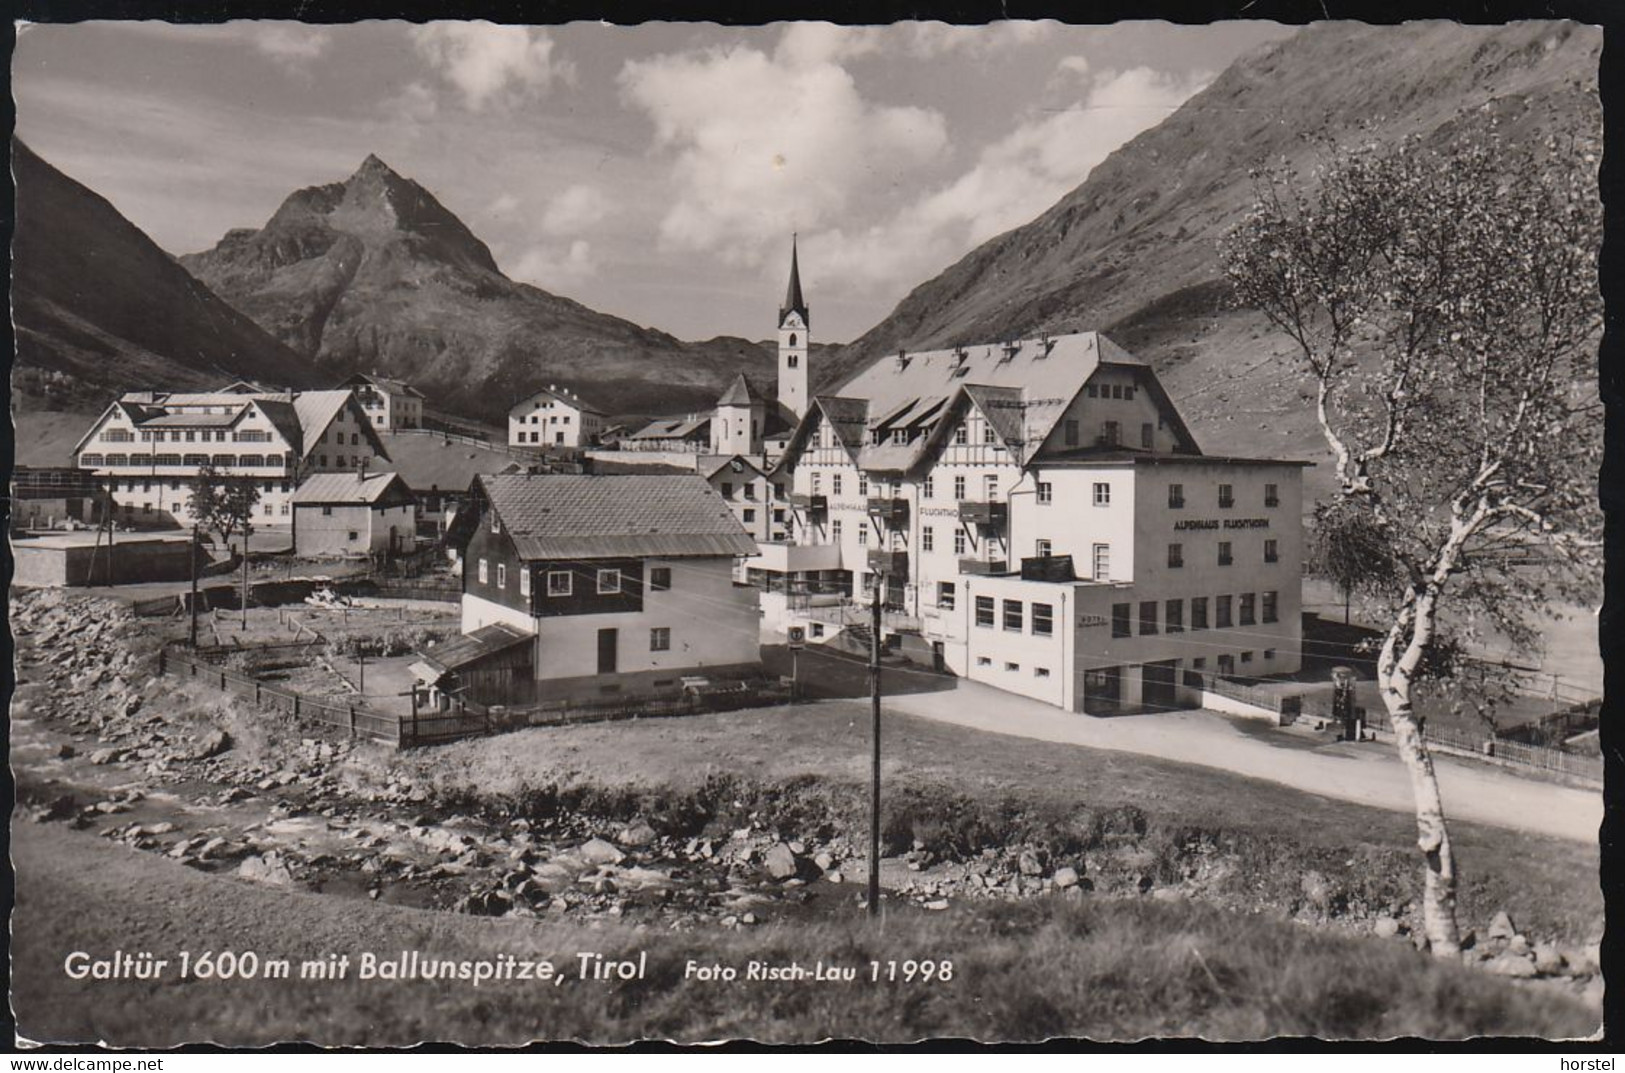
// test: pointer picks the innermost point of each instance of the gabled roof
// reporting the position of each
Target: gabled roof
(552, 516)
(1022, 387)
(563, 395)
(350, 489)
(384, 384)
(300, 416)
(673, 428)
(710, 465)
(739, 394)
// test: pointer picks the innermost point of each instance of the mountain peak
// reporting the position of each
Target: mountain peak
(374, 166)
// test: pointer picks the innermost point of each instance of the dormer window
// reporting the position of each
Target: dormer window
(899, 435)
(496, 524)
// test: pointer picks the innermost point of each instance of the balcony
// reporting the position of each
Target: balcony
(984, 567)
(890, 511)
(893, 564)
(812, 504)
(987, 515)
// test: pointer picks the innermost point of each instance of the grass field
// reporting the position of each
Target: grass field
(960, 790)
(1100, 970)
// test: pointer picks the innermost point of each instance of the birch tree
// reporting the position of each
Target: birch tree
(1444, 305)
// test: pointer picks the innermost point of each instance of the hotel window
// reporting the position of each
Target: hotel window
(727, 490)
(502, 572)
(1040, 672)
(945, 595)
(834, 483)
(609, 582)
(559, 582)
(863, 535)
(1176, 556)
(1046, 492)
(961, 435)
(1176, 496)
(660, 639)
(778, 490)
(660, 579)
(524, 582)
(928, 488)
(1111, 434)
(1120, 620)
(984, 661)
(1044, 619)
(959, 487)
(1269, 608)
(928, 539)
(984, 611)
(989, 435)
(1246, 657)
(1227, 496)
(815, 477)
(1269, 653)
(1148, 436)
(750, 515)
(959, 542)
(1015, 616)
(863, 484)
(1102, 494)
(818, 629)
(990, 486)
(1094, 392)
(1148, 617)
(1173, 613)
(1043, 549)
(1245, 617)
(1103, 562)
(835, 530)
(1272, 551)
(1221, 612)
(1199, 612)
(750, 491)
(1225, 557)
(1272, 495)
(1072, 429)
(483, 578)
(1012, 667)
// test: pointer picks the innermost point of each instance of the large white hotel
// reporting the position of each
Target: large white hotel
(1038, 517)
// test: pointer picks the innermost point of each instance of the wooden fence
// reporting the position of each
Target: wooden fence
(359, 721)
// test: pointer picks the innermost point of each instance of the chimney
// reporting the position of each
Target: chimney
(902, 359)
(361, 466)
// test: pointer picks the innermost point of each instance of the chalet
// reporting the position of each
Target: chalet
(354, 514)
(622, 583)
(389, 404)
(554, 417)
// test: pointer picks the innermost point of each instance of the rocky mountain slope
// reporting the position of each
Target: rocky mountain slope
(373, 273)
(99, 309)
(1134, 249)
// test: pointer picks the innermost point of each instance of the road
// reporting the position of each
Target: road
(1369, 774)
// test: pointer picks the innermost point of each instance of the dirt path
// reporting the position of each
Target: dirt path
(1368, 774)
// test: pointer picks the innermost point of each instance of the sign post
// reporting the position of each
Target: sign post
(798, 641)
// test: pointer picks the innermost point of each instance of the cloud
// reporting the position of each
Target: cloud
(1012, 181)
(290, 43)
(502, 205)
(762, 145)
(491, 65)
(574, 210)
(553, 267)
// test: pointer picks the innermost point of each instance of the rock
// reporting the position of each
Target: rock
(65, 751)
(1066, 878)
(1549, 960)
(1511, 965)
(1518, 945)
(834, 877)
(597, 851)
(780, 862)
(748, 918)
(1316, 889)
(160, 828)
(824, 861)
(639, 834)
(213, 743)
(104, 756)
(486, 903)
(132, 706)
(59, 808)
(270, 868)
(798, 848)
(1385, 928)
(1501, 927)
(1166, 894)
(1028, 863)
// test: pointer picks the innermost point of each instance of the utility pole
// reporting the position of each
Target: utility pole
(874, 775)
(361, 658)
(193, 635)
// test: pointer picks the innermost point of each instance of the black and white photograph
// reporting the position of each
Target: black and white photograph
(796, 532)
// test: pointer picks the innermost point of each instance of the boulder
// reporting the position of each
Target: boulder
(1066, 878)
(639, 834)
(780, 862)
(1501, 927)
(104, 756)
(824, 861)
(597, 851)
(270, 868)
(1385, 927)
(213, 743)
(1549, 961)
(486, 903)
(1511, 965)
(65, 751)
(937, 905)
(1029, 864)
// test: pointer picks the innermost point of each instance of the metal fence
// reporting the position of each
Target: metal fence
(1288, 705)
(1517, 754)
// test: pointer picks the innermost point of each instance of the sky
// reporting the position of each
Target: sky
(654, 172)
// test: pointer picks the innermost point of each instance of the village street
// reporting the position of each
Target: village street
(1368, 773)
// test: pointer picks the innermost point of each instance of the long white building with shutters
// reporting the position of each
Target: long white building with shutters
(1035, 514)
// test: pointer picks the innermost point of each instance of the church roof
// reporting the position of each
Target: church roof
(739, 393)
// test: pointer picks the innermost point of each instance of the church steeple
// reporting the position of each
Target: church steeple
(793, 343)
(793, 302)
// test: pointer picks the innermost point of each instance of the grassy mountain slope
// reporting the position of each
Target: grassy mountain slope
(375, 274)
(99, 309)
(1134, 249)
